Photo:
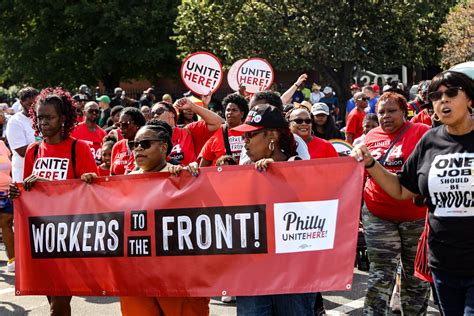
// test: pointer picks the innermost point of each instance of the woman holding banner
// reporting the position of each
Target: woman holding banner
(151, 146)
(440, 169)
(392, 235)
(268, 139)
(54, 117)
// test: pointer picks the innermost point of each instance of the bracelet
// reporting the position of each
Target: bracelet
(371, 164)
(296, 85)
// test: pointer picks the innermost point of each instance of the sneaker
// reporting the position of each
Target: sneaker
(228, 299)
(11, 265)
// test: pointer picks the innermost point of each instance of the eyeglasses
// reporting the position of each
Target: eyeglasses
(145, 143)
(250, 135)
(159, 111)
(123, 125)
(450, 92)
(301, 121)
(93, 111)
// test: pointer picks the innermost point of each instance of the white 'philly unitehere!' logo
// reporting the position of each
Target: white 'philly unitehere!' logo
(305, 226)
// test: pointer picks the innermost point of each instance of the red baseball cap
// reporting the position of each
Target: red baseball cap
(355, 86)
(375, 87)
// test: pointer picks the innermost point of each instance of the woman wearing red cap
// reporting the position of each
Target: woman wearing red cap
(268, 139)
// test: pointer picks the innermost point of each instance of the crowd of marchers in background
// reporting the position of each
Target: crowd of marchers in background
(104, 135)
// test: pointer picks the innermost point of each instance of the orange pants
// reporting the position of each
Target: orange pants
(164, 306)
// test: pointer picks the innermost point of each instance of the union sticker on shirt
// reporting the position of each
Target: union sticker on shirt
(51, 168)
(450, 182)
(236, 143)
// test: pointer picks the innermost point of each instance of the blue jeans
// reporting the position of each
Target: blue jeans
(455, 294)
(276, 305)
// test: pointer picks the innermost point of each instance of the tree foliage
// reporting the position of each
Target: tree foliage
(332, 37)
(53, 42)
(458, 33)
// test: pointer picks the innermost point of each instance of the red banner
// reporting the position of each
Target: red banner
(229, 231)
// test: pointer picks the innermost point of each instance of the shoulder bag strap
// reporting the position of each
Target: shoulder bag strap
(226, 140)
(382, 161)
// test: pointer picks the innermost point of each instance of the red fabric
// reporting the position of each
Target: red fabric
(422, 117)
(53, 162)
(411, 110)
(163, 306)
(122, 158)
(320, 148)
(93, 139)
(215, 146)
(80, 118)
(116, 133)
(102, 172)
(183, 146)
(378, 202)
(200, 133)
(251, 255)
(354, 123)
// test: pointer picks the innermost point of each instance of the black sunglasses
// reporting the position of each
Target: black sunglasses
(123, 125)
(145, 143)
(301, 121)
(159, 111)
(363, 99)
(93, 111)
(450, 92)
(250, 135)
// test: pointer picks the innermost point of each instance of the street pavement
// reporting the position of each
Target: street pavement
(336, 303)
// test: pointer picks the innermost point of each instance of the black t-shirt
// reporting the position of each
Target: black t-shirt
(441, 168)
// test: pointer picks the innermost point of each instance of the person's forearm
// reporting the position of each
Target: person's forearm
(389, 182)
(213, 120)
(286, 97)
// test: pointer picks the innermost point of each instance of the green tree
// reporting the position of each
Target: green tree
(52, 42)
(458, 34)
(335, 38)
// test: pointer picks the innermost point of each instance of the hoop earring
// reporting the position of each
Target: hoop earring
(271, 146)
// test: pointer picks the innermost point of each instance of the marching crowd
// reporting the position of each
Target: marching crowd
(403, 145)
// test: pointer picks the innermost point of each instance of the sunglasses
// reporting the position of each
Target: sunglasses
(449, 92)
(250, 135)
(145, 143)
(301, 121)
(93, 111)
(363, 99)
(159, 111)
(123, 125)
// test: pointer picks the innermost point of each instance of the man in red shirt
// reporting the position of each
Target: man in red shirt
(355, 118)
(89, 131)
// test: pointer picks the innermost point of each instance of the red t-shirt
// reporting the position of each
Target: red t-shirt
(215, 146)
(354, 123)
(200, 133)
(116, 133)
(422, 117)
(320, 148)
(102, 172)
(122, 158)
(93, 139)
(378, 202)
(53, 161)
(183, 146)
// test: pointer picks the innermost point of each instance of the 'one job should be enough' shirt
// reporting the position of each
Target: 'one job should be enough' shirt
(53, 161)
(442, 169)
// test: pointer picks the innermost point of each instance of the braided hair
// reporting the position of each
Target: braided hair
(163, 132)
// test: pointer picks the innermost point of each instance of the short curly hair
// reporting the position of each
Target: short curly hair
(239, 101)
(64, 105)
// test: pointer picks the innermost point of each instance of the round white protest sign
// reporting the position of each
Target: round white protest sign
(201, 73)
(232, 74)
(342, 147)
(256, 74)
